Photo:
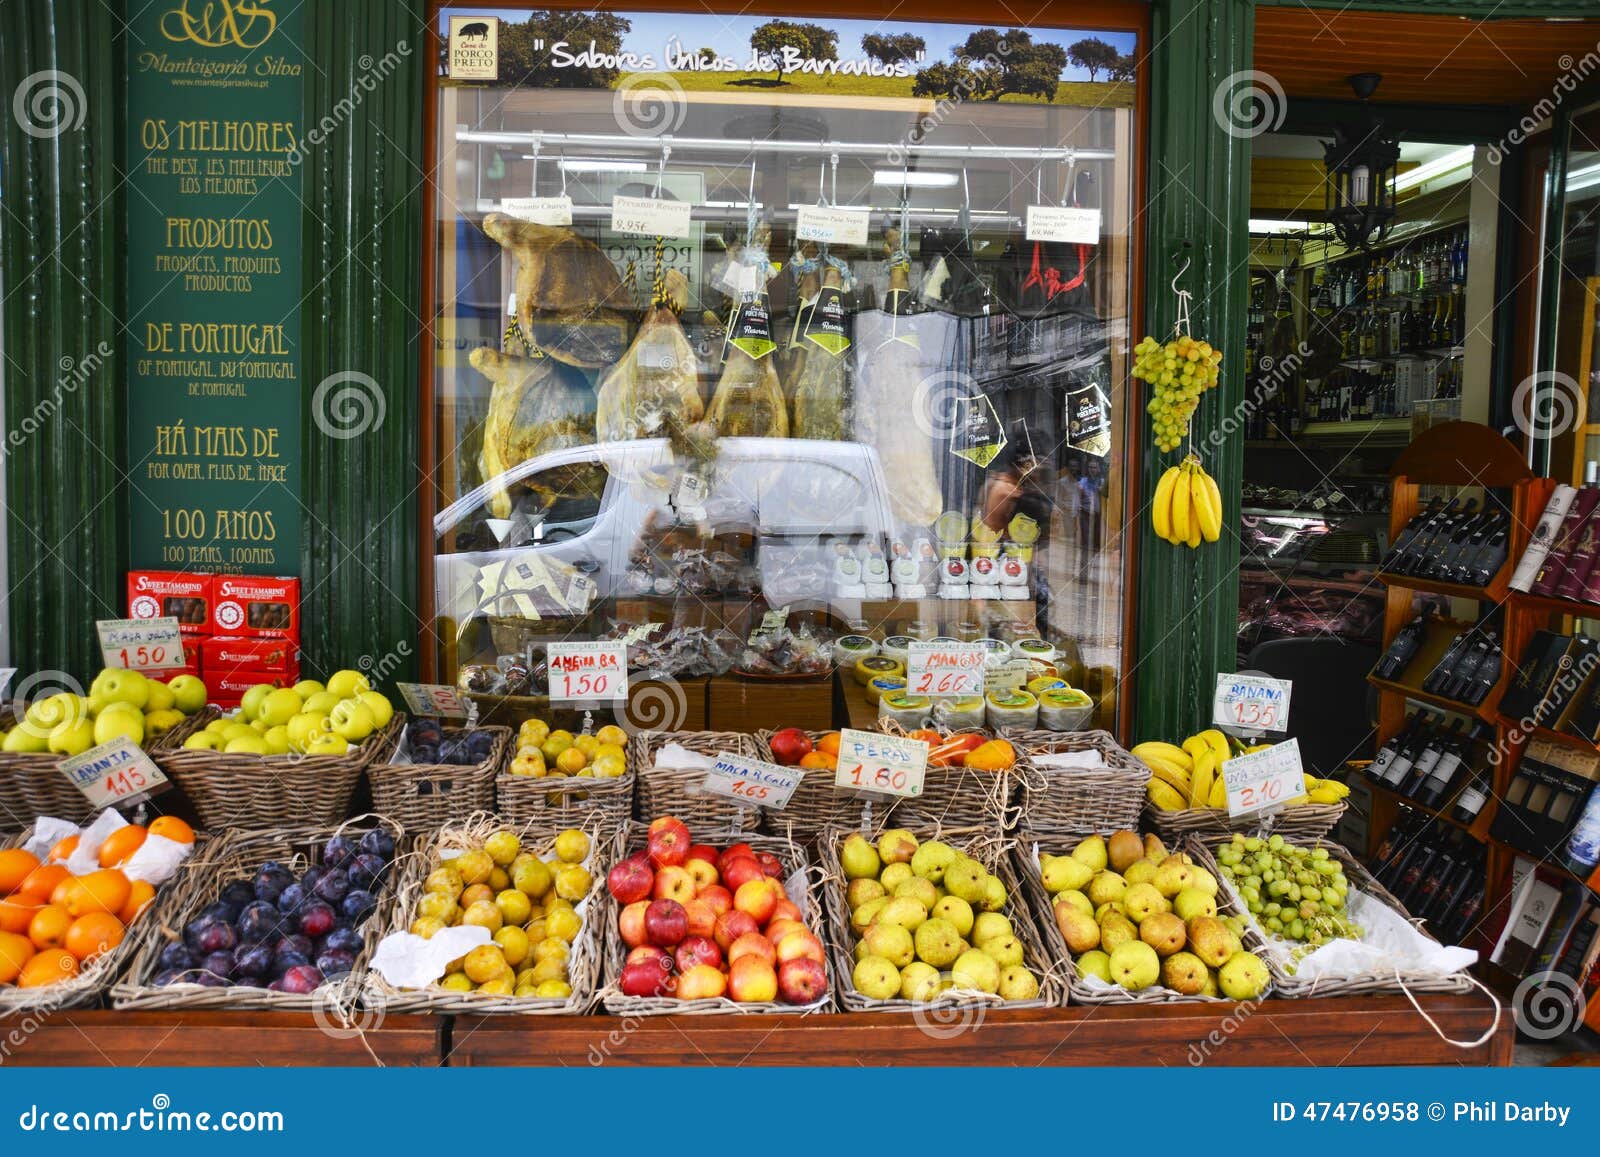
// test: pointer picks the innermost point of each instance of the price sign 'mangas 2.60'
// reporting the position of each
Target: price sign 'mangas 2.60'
(1266, 780)
(753, 782)
(589, 670)
(890, 764)
(945, 668)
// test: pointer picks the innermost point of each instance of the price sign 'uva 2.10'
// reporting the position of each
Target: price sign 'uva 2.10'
(588, 670)
(888, 764)
(212, 345)
(1266, 780)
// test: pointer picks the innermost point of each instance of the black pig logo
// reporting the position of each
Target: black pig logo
(475, 31)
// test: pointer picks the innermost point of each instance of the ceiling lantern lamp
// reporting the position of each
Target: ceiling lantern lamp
(1361, 161)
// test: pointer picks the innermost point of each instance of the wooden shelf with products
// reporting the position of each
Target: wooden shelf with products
(1478, 829)
(1483, 711)
(1495, 592)
(1380, 429)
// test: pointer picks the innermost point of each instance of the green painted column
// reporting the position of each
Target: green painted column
(1197, 210)
(61, 76)
(363, 187)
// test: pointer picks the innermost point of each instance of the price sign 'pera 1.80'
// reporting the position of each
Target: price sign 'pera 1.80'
(888, 764)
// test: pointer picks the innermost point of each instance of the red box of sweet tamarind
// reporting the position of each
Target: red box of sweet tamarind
(154, 594)
(256, 606)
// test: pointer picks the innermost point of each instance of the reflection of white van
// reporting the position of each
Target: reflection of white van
(798, 497)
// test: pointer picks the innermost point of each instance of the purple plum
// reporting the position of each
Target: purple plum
(302, 978)
(317, 919)
(177, 956)
(378, 843)
(335, 963)
(333, 885)
(357, 905)
(337, 850)
(219, 964)
(260, 921)
(251, 960)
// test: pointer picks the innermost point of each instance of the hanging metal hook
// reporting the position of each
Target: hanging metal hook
(1069, 194)
(833, 165)
(533, 184)
(661, 165)
(1187, 261)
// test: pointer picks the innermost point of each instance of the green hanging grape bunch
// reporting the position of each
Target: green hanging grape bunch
(1180, 370)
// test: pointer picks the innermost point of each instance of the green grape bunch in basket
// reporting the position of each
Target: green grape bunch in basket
(1180, 370)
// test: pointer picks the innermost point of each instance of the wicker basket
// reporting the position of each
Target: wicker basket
(666, 792)
(983, 845)
(31, 785)
(1026, 857)
(423, 796)
(817, 804)
(957, 798)
(275, 791)
(1273, 950)
(87, 986)
(616, 952)
(1078, 801)
(241, 854)
(583, 965)
(1300, 822)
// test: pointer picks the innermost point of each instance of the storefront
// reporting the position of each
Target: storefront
(790, 367)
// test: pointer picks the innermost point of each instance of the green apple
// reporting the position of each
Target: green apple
(382, 710)
(239, 731)
(124, 687)
(303, 726)
(203, 741)
(260, 726)
(280, 705)
(161, 697)
(346, 684)
(161, 722)
(277, 740)
(72, 738)
(251, 744)
(250, 703)
(1134, 965)
(324, 744)
(321, 703)
(119, 725)
(306, 688)
(353, 720)
(975, 968)
(219, 726)
(25, 740)
(48, 714)
(188, 693)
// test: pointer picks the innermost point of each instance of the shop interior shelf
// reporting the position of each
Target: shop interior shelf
(1478, 829)
(1564, 738)
(1591, 881)
(1484, 710)
(1581, 610)
(1374, 429)
(1493, 593)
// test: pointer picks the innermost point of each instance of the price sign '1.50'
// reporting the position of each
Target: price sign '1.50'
(590, 670)
(141, 644)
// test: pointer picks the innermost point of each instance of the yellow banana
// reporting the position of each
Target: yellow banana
(1200, 786)
(1219, 744)
(1182, 516)
(1168, 774)
(1219, 791)
(1168, 751)
(1193, 540)
(1216, 498)
(1207, 516)
(1163, 796)
(1161, 505)
(1322, 795)
(1196, 746)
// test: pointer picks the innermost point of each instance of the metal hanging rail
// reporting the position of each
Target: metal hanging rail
(745, 146)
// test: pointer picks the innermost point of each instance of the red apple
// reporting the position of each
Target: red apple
(668, 844)
(787, 909)
(739, 870)
(665, 923)
(752, 979)
(752, 944)
(630, 880)
(731, 852)
(789, 746)
(673, 883)
(702, 918)
(698, 950)
(720, 899)
(630, 922)
(758, 897)
(770, 864)
(703, 852)
(702, 982)
(732, 925)
(802, 981)
(649, 954)
(777, 929)
(800, 945)
(702, 872)
(644, 978)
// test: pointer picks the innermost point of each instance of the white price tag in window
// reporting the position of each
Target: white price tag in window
(1251, 703)
(141, 644)
(650, 217)
(439, 699)
(691, 491)
(886, 764)
(945, 669)
(588, 670)
(1063, 223)
(113, 773)
(1266, 780)
(539, 210)
(831, 226)
(6, 675)
(751, 781)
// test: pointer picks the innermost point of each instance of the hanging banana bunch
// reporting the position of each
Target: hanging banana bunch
(1187, 508)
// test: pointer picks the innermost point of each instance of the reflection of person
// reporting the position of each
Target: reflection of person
(1022, 486)
(1089, 487)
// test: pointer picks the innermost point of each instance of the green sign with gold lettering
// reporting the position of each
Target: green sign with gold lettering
(214, 118)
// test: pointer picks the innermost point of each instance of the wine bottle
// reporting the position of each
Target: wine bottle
(1444, 669)
(1423, 765)
(1429, 879)
(1400, 766)
(1555, 563)
(1472, 798)
(1437, 786)
(1404, 647)
(1426, 549)
(1409, 532)
(1485, 675)
(1390, 750)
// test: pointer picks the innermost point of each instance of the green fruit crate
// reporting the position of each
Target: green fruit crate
(960, 1009)
(1029, 847)
(1275, 950)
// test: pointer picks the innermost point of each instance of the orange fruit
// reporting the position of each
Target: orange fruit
(63, 850)
(828, 744)
(15, 951)
(65, 892)
(104, 891)
(41, 882)
(814, 759)
(49, 967)
(48, 928)
(15, 864)
(16, 913)
(121, 844)
(93, 934)
(140, 894)
(172, 828)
